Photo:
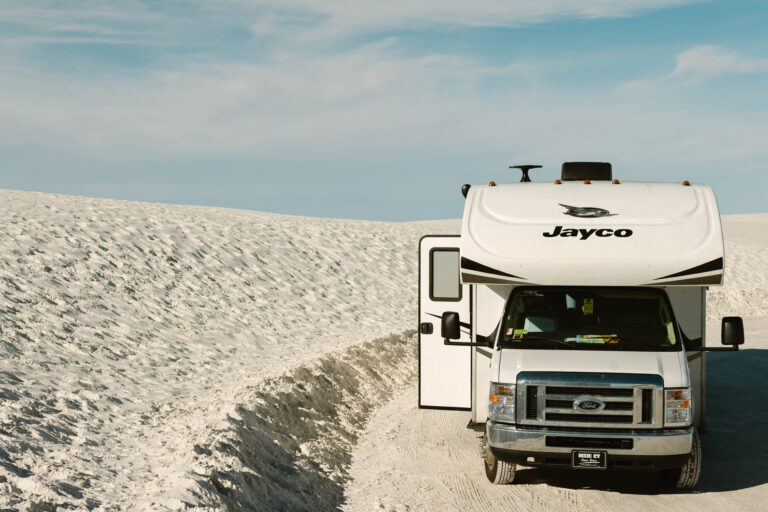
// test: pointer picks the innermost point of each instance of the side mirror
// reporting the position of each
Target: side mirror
(450, 326)
(732, 331)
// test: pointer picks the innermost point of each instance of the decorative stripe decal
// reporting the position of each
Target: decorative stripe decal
(713, 279)
(706, 267)
(467, 264)
(477, 278)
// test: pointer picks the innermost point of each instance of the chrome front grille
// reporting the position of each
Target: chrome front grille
(564, 400)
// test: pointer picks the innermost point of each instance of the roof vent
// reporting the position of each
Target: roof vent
(579, 171)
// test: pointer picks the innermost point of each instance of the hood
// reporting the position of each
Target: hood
(669, 365)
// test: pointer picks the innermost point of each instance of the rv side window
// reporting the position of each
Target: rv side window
(444, 281)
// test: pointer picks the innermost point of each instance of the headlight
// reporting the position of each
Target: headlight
(501, 403)
(678, 407)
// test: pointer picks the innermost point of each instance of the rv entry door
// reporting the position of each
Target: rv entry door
(445, 371)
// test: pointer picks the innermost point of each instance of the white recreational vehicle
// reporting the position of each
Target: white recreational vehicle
(571, 321)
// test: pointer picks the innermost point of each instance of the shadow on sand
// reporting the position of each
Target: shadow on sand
(735, 445)
(290, 445)
(271, 475)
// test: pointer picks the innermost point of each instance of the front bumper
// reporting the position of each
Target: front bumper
(657, 449)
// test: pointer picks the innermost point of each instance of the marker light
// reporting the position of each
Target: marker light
(616, 182)
(587, 182)
(686, 183)
(558, 182)
(492, 184)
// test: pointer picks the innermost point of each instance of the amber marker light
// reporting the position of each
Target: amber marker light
(558, 182)
(587, 182)
(686, 183)
(616, 182)
(492, 184)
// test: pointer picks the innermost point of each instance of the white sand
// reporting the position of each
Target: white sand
(162, 357)
(745, 291)
(130, 331)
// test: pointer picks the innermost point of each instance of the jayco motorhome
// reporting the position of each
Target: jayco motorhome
(569, 318)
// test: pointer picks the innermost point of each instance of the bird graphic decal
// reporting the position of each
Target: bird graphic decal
(585, 211)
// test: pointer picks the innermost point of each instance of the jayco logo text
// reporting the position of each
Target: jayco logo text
(583, 234)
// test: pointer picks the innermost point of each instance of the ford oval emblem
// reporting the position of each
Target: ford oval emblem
(588, 404)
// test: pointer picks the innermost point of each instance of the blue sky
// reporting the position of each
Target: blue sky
(377, 110)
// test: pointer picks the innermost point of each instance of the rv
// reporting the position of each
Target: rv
(569, 318)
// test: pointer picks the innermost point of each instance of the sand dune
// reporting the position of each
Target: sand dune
(745, 289)
(165, 357)
(130, 331)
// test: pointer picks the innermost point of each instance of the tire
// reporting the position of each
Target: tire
(686, 477)
(499, 472)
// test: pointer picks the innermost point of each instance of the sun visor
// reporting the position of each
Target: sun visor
(598, 234)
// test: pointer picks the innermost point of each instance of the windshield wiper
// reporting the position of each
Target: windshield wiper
(543, 338)
(632, 344)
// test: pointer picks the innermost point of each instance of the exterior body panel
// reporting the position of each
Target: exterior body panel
(445, 372)
(669, 365)
(651, 234)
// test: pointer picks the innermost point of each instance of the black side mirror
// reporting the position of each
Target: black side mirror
(732, 331)
(450, 326)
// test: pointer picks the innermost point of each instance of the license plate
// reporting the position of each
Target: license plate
(589, 460)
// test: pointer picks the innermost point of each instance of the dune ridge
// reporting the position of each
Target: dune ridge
(129, 329)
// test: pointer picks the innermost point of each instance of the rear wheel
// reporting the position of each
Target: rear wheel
(686, 477)
(499, 472)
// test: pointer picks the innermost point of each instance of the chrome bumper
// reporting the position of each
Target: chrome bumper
(659, 443)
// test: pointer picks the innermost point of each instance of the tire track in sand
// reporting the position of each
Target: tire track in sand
(432, 462)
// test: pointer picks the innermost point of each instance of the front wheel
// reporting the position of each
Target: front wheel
(499, 472)
(686, 477)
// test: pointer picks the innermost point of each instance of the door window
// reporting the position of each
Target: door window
(444, 283)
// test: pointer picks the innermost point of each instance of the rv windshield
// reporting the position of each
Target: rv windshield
(589, 319)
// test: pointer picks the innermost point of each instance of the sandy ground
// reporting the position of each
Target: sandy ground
(411, 459)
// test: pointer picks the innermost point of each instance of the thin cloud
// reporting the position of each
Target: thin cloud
(339, 18)
(366, 101)
(702, 63)
(305, 18)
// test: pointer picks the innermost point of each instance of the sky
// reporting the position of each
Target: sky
(377, 110)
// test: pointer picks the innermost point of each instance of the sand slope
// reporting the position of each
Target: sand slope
(129, 330)
(745, 289)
